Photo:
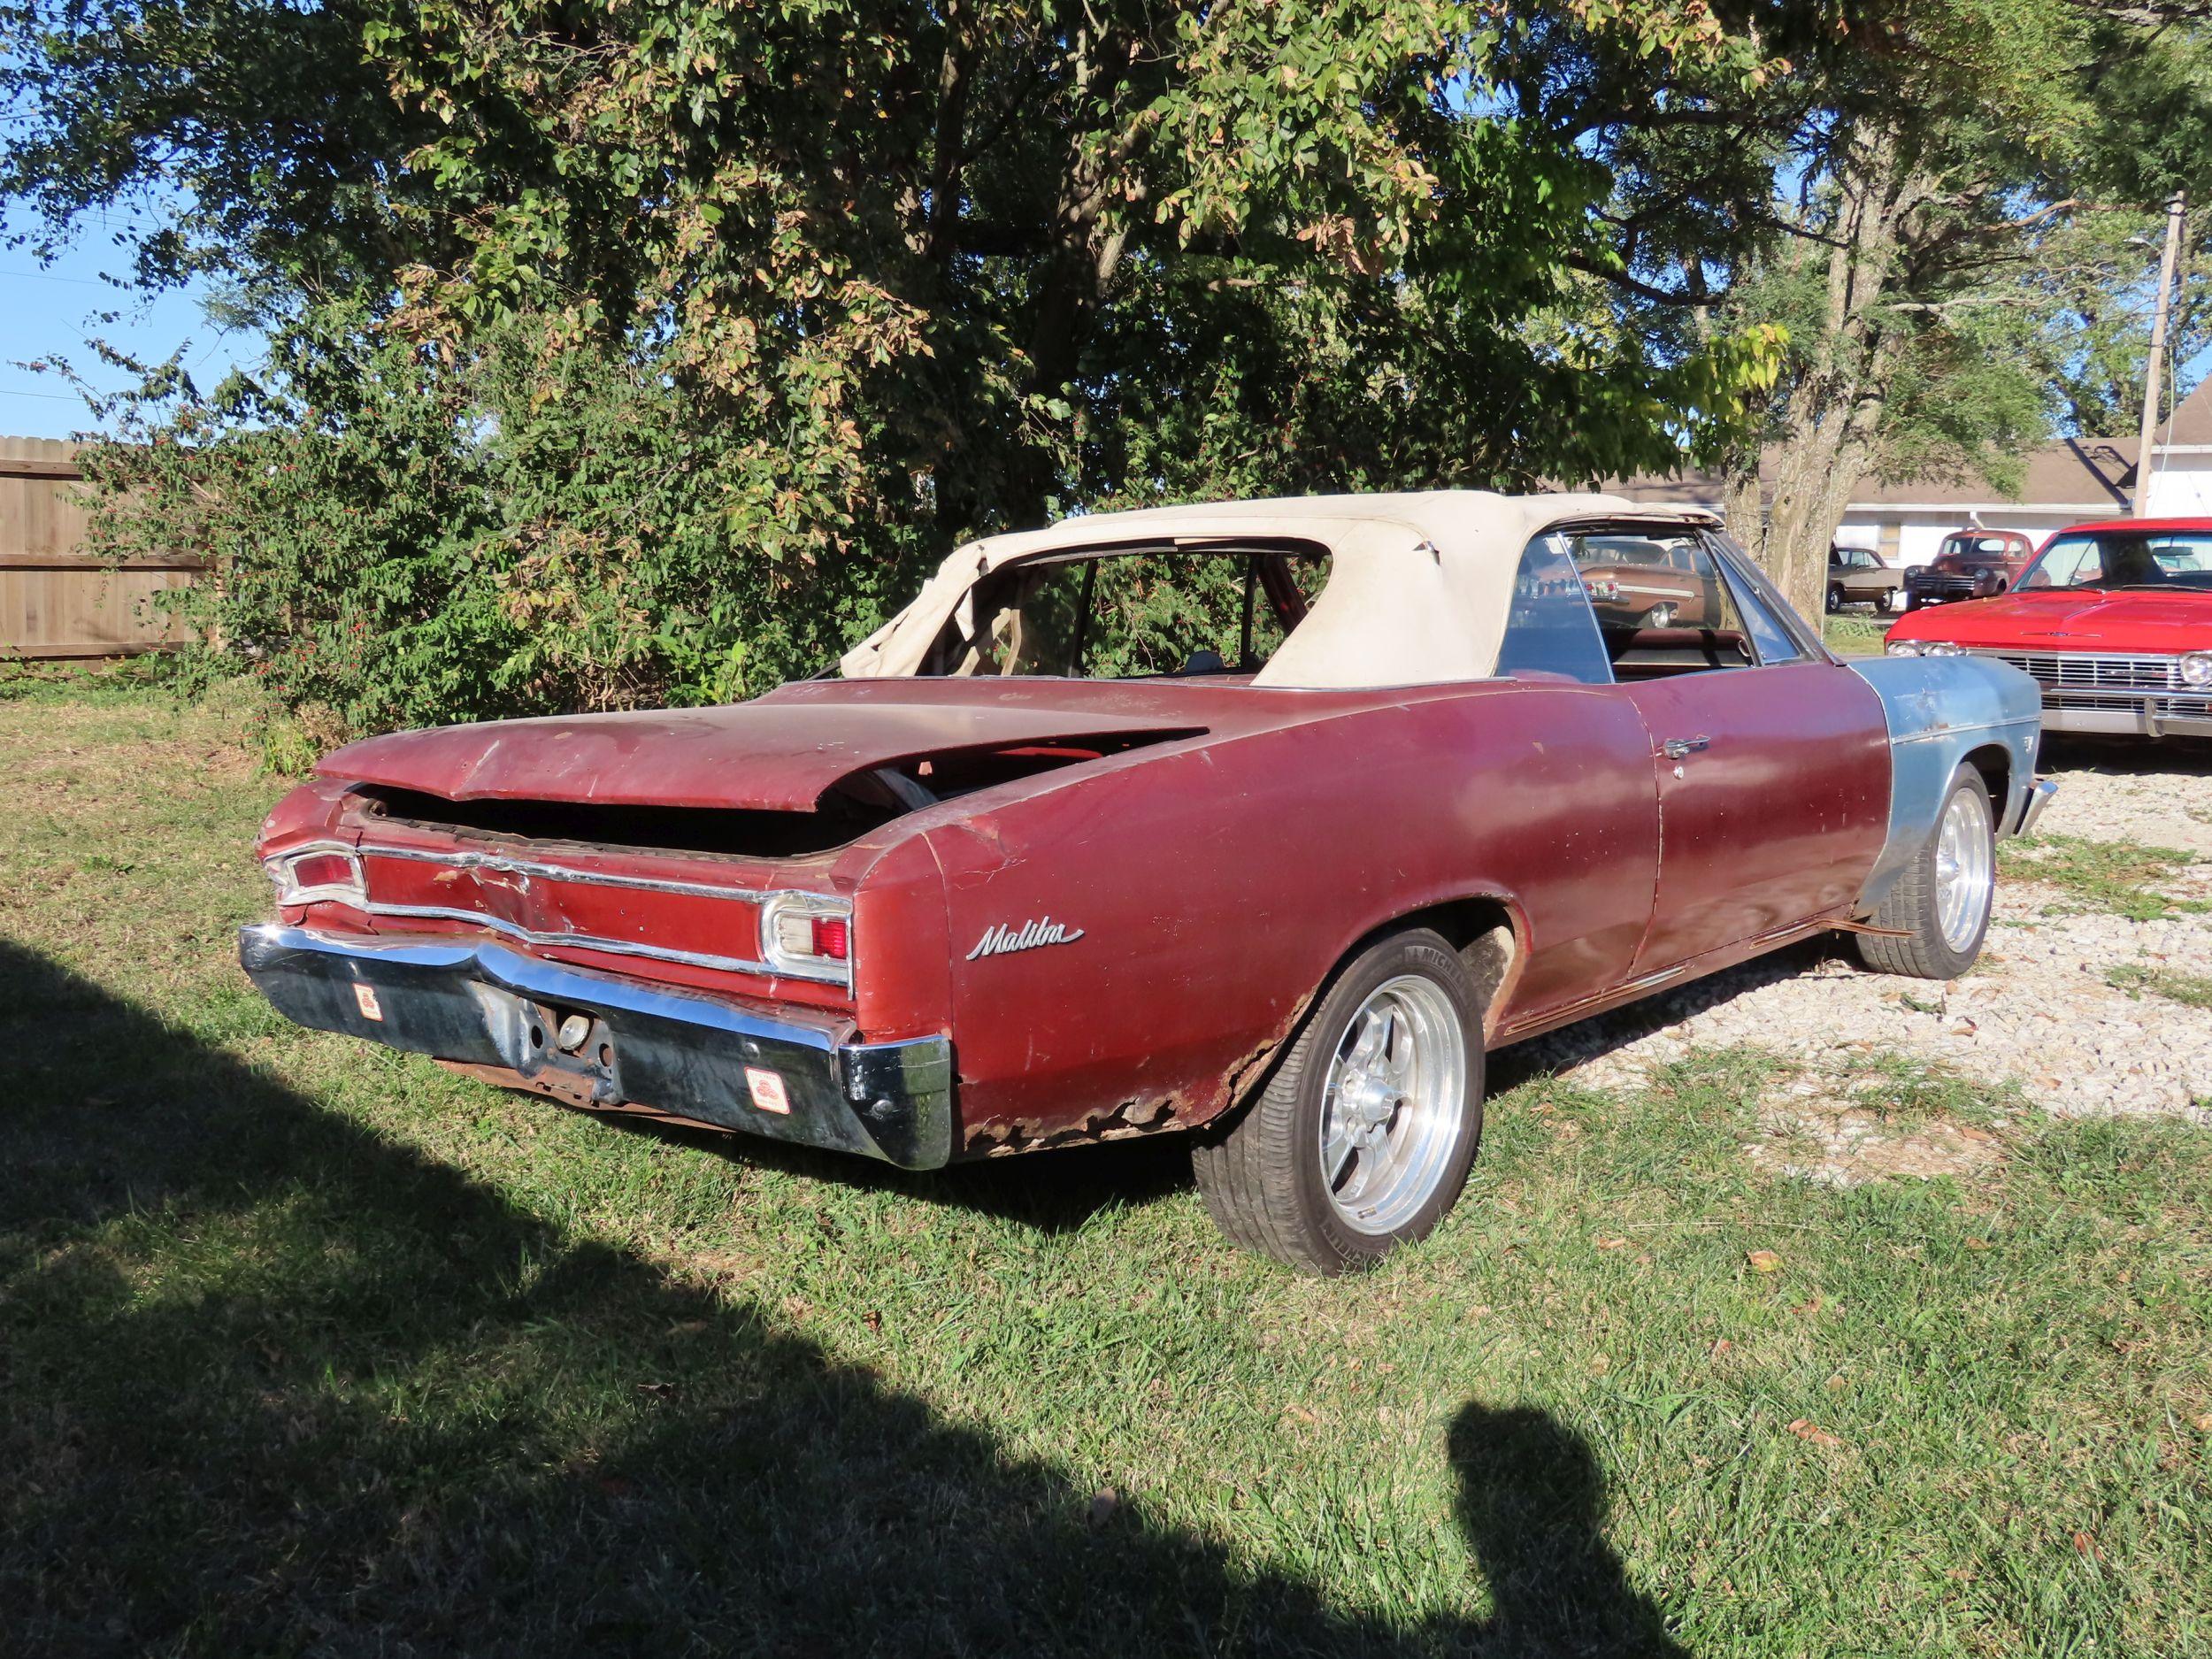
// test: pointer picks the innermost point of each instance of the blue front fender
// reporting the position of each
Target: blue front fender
(1940, 710)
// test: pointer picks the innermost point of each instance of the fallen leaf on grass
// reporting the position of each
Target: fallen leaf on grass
(1807, 1430)
(2204, 1423)
(1103, 1504)
(1300, 1413)
(1609, 1244)
(1720, 1347)
(1809, 1307)
(1765, 1262)
(2085, 1544)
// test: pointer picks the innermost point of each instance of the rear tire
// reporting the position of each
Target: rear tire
(1660, 616)
(1836, 599)
(1940, 906)
(1362, 1138)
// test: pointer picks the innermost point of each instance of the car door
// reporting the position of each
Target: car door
(1772, 770)
(1582, 800)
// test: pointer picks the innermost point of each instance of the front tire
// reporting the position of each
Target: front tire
(1361, 1139)
(1939, 907)
(1835, 597)
(1660, 616)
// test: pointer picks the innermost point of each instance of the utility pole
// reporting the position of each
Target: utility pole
(2177, 211)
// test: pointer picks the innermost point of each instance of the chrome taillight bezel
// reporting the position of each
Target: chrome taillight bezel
(806, 965)
(281, 870)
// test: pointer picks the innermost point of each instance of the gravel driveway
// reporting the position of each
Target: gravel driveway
(2039, 1011)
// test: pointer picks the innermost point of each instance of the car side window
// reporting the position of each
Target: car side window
(1769, 637)
(1550, 633)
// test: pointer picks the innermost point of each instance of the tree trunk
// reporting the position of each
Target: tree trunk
(1832, 413)
(1743, 503)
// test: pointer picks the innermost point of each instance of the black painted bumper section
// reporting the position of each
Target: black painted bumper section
(480, 1003)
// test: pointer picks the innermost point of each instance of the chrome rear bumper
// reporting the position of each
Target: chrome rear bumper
(481, 1005)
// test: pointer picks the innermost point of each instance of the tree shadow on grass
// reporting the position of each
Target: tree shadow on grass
(271, 1384)
(1053, 1191)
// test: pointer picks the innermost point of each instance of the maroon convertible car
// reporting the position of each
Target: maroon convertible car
(1259, 821)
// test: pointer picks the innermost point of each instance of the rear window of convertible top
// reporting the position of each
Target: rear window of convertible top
(1132, 613)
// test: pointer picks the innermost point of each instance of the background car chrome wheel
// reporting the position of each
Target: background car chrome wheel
(1361, 1139)
(1937, 915)
(1390, 1113)
(1660, 616)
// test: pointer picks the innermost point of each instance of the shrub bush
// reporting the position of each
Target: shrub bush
(403, 538)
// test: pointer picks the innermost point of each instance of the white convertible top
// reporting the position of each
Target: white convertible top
(1420, 584)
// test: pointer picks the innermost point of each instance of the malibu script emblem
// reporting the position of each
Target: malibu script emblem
(1001, 940)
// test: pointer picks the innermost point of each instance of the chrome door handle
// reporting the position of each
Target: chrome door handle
(1674, 747)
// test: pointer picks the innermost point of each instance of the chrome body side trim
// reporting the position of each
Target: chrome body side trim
(577, 941)
(762, 965)
(467, 859)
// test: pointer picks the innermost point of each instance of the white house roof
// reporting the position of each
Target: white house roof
(1419, 584)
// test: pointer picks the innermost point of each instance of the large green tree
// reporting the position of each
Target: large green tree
(1927, 205)
(637, 348)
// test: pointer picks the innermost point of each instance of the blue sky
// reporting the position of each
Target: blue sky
(52, 311)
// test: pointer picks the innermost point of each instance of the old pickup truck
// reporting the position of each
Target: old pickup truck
(1260, 822)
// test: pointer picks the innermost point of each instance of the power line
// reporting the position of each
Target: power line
(42, 276)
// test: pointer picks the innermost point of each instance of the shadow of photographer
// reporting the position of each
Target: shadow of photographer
(271, 1382)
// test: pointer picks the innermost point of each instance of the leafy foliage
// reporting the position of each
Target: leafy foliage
(640, 349)
(1927, 205)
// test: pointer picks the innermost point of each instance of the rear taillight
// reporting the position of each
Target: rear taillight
(809, 936)
(317, 874)
(832, 938)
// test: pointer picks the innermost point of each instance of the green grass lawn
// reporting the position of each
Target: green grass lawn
(1856, 633)
(310, 1348)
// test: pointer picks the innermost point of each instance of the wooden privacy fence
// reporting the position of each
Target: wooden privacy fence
(55, 599)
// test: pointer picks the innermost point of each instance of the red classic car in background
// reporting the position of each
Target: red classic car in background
(1637, 581)
(1262, 820)
(1968, 565)
(2114, 620)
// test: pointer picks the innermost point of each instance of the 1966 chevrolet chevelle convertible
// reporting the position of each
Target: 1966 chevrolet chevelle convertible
(1261, 821)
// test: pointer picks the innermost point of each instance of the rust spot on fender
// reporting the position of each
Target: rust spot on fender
(1244, 1076)
(1137, 1115)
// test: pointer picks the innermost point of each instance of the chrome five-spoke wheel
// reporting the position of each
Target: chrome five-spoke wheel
(1360, 1139)
(1390, 1112)
(1936, 912)
(1965, 869)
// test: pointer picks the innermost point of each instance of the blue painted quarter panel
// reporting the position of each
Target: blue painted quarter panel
(1940, 710)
